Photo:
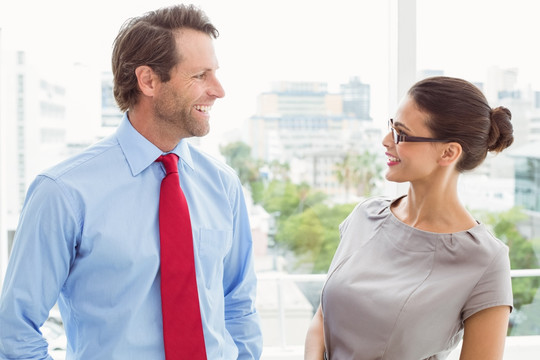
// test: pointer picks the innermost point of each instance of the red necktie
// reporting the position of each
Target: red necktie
(182, 327)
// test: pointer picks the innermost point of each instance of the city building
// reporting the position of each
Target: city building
(35, 125)
(527, 176)
(47, 114)
(356, 99)
(4, 126)
(534, 123)
(110, 113)
(503, 88)
(312, 129)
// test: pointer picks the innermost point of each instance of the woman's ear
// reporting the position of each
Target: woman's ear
(146, 79)
(451, 152)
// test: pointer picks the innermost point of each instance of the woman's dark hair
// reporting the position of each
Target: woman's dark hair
(459, 112)
(150, 40)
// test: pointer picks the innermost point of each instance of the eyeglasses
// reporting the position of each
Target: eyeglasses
(397, 137)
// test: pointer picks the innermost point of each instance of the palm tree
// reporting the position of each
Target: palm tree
(360, 171)
(344, 171)
(367, 173)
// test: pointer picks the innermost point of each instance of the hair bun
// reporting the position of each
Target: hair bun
(501, 133)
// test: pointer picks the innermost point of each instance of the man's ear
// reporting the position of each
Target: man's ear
(451, 152)
(146, 79)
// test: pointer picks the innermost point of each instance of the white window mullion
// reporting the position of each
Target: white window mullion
(402, 49)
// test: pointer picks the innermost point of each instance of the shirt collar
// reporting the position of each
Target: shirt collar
(184, 153)
(141, 153)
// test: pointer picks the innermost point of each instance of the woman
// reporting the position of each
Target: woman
(415, 275)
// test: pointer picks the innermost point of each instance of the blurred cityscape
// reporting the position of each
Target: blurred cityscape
(46, 117)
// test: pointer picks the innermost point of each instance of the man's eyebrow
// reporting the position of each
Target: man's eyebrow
(205, 70)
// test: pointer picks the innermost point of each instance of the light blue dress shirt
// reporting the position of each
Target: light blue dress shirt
(88, 238)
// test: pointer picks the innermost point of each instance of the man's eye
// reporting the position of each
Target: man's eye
(200, 76)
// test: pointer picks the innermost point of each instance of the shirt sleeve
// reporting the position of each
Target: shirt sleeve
(240, 284)
(345, 248)
(494, 287)
(37, 268)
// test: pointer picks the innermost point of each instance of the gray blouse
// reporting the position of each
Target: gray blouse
(396, 292)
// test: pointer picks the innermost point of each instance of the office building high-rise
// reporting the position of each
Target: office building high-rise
(110, 113)
(356, 99)
(312, 129)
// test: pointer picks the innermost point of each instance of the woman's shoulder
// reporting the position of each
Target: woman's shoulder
(482, 238)
(373, 209)
(374, 206)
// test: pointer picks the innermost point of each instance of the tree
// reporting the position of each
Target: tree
(359, 171)
(279, 170)
(331, 218)
(303, 234)
(238, 156)
(306, 226)
(344, 171)
(368, 173)
(313, 235)
(282, 197)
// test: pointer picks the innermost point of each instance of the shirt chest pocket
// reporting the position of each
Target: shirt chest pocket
(213, 246)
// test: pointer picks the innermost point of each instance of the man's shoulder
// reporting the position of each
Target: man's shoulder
(80, 160)
(206, 162)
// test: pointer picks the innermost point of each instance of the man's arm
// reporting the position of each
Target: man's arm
(240, 285)
(37, 268)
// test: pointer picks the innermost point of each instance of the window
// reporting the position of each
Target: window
(309, 87)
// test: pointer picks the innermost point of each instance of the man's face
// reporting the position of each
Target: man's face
(184, 102)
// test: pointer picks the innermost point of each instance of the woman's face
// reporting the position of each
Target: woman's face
(410, 161)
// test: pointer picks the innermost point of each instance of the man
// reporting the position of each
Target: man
(89, 233)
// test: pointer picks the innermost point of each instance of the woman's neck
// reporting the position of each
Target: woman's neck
(434, 207)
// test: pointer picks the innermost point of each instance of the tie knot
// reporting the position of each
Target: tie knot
(170, 161)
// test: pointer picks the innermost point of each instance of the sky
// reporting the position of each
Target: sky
(300, 40)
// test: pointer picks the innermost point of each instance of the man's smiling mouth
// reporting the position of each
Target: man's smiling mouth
(203, 108)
